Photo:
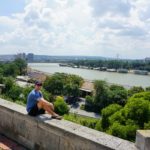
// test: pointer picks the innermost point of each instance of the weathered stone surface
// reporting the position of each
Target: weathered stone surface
(12, 106)
(143, 139)
(6, 120)
(42, 132)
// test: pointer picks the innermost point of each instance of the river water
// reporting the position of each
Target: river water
(111, 77)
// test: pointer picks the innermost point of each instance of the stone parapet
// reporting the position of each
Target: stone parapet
(143, 139)
(44, 133)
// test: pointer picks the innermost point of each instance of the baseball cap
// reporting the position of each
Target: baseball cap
(39, 83)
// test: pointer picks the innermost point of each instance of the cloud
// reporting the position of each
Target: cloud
(112, 24)
(75, 27)
(133, 32)
(112, 7)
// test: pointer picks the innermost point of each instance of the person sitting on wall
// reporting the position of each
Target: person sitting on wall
(36, 104)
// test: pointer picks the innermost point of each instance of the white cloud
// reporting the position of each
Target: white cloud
(112, 7)
(74, 27)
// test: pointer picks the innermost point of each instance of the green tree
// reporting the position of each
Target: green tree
(71, 90)
(54, 85)
(107, 112)
(134, 90)
(118, 130)
(22, 65)
(138, 109)
(48, 96)
(1, 79)
(123, 131)
(10, 70)
(143, 95)
(61, 83)
(9, 83)
(15, 92)
(101, 94)
(118, 117)
(1, 70)
(147, 88)
(118, 94)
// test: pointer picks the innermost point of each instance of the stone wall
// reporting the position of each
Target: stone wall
(44, 133)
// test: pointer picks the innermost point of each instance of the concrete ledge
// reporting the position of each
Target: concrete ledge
(42, 132)
(143, 139)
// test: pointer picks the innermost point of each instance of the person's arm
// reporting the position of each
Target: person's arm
(40, 97)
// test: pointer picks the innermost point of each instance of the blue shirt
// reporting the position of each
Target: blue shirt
(33, 97)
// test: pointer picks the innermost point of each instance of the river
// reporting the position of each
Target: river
(127, 80)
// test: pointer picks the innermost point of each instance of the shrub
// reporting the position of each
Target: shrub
(9, 83)
(26, 91)
(15, 92)
(127, 132)
(131, 132)
(85, 121)
(147, 88)
(48, 96)
(147, 126)
(60, 106)
(118, 130)
(89, 99)
(99, 126)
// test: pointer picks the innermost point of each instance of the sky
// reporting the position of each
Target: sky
(108, 28)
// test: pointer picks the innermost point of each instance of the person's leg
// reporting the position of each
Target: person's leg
(48, 103)
(43, 104)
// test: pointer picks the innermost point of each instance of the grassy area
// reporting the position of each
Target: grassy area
(85, 121)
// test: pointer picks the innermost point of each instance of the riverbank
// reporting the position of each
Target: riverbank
(126, 79)
(120, 70)
(34, 74)
(41, 75)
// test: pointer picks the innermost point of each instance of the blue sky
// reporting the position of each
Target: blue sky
(108, 28)
(8, 7)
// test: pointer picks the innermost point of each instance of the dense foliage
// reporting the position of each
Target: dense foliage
(105, 95)
(124, 121)
(17, 67)
(126, 64)
(63, 84)
(60, 106)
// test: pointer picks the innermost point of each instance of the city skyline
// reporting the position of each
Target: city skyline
(113, 28)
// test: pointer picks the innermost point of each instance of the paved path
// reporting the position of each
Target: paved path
(84, 113)
(8, 144)
(76, 109)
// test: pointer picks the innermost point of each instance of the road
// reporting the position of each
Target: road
(76, 109)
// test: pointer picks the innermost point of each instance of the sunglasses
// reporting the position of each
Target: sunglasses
(39, 84)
